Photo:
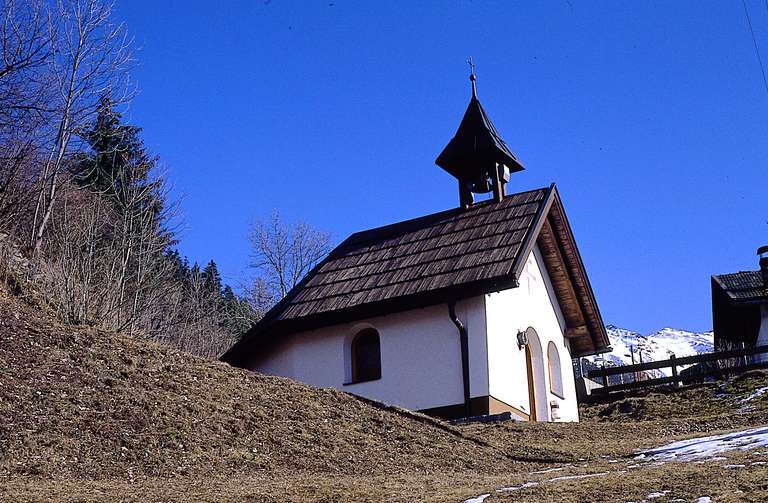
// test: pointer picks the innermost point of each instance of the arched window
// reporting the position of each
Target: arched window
(555, 371)
(366, 356)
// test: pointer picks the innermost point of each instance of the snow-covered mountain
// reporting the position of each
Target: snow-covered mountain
(656, 346)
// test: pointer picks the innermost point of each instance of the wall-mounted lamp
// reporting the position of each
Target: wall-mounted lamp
(522, 339)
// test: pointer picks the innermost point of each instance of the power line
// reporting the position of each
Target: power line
(754, 41)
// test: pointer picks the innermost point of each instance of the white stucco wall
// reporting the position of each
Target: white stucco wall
(421, 354)
(420, 357)
(532, 304)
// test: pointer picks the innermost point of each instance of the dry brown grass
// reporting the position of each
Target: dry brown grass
(92, 416)
(81, 403)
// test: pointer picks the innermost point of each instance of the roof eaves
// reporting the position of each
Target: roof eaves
(231, 356)
(758, 298)
(716, 279)
(599, 335)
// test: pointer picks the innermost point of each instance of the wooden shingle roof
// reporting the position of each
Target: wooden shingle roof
(744, 286)
(430, 260)
(421, 255)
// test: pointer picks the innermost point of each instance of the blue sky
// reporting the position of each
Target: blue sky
(651, 117)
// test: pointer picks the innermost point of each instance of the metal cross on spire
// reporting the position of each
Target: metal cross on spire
(472, 77)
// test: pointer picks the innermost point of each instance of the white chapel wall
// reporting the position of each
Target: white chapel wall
(532, 304)
(420, 357)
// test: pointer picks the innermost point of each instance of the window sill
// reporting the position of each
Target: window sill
(360, 382)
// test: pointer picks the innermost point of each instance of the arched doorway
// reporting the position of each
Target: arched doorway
(531, 383)
(534, 362)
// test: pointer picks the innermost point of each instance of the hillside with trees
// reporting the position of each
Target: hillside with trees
(82, 198)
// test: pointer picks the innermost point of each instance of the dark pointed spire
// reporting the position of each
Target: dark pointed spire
(477, 154)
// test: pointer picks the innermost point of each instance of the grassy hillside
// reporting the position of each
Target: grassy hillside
(81, 404)
(92, 416)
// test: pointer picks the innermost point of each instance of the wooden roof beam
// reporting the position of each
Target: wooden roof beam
(561, 282)
(576, 332)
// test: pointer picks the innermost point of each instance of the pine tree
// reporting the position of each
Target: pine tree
(114, 146)
(228, 295)
(118, 165)
(179, 264)
(212, 280)
(238, 314)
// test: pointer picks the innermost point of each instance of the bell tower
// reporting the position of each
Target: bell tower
(477, 156)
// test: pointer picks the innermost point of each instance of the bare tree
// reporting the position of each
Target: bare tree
(199, 320)
(17, 168)
(79, 189)
(25, 51)
(26, 48)
(281, 255)
(91, 59)
(260, 296)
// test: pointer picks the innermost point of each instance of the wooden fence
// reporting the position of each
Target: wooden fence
(721, 363)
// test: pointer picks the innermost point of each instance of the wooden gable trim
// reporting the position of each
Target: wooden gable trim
(575, 332)
(533, 233)
(584, 325)
(560, 279)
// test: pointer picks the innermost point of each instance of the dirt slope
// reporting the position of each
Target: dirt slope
(91, 416)
(80, 403)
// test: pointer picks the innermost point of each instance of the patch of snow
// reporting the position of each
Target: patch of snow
(716, 458)
(708, 447)
(573, 477)
(548, 470)
(479, 499)
(656, 495)
(757, 394)
(517, 488)
(704, 499)
(758, 463)
(731, 467)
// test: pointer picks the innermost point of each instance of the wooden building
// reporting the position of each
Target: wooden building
(474, 310)
(740, 307)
